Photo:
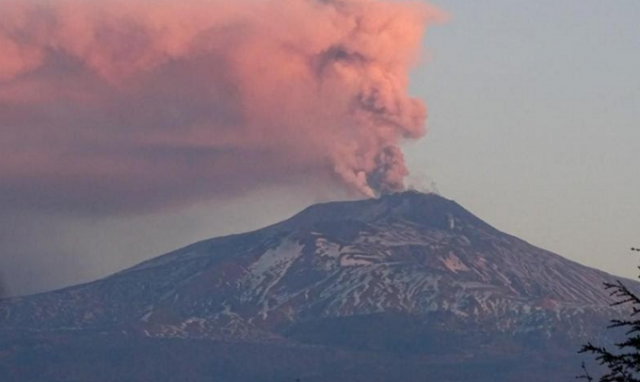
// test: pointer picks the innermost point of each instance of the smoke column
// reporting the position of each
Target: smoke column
(112, 105)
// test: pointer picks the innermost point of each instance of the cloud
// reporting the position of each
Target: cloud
(125, 106)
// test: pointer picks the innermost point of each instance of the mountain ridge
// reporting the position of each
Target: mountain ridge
(405, 271)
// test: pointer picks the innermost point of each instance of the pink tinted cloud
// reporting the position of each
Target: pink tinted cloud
(119, 105)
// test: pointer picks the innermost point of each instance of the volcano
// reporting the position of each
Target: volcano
(408, 287)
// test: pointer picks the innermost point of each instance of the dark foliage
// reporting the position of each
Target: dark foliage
(623, 362)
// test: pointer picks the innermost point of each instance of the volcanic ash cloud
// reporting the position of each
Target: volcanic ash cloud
(113, 105)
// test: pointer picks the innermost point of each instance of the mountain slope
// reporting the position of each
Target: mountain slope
(408, 274)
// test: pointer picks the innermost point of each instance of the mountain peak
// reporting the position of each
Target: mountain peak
(408, 207)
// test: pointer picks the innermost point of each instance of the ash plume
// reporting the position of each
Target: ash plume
(118, 105)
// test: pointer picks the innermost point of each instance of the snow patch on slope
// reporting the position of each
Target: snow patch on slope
(453, 263)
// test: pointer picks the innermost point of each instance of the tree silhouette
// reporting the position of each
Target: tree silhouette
(623, 363)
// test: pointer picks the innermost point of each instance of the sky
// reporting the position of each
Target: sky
(534, 110)
(531, 114)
